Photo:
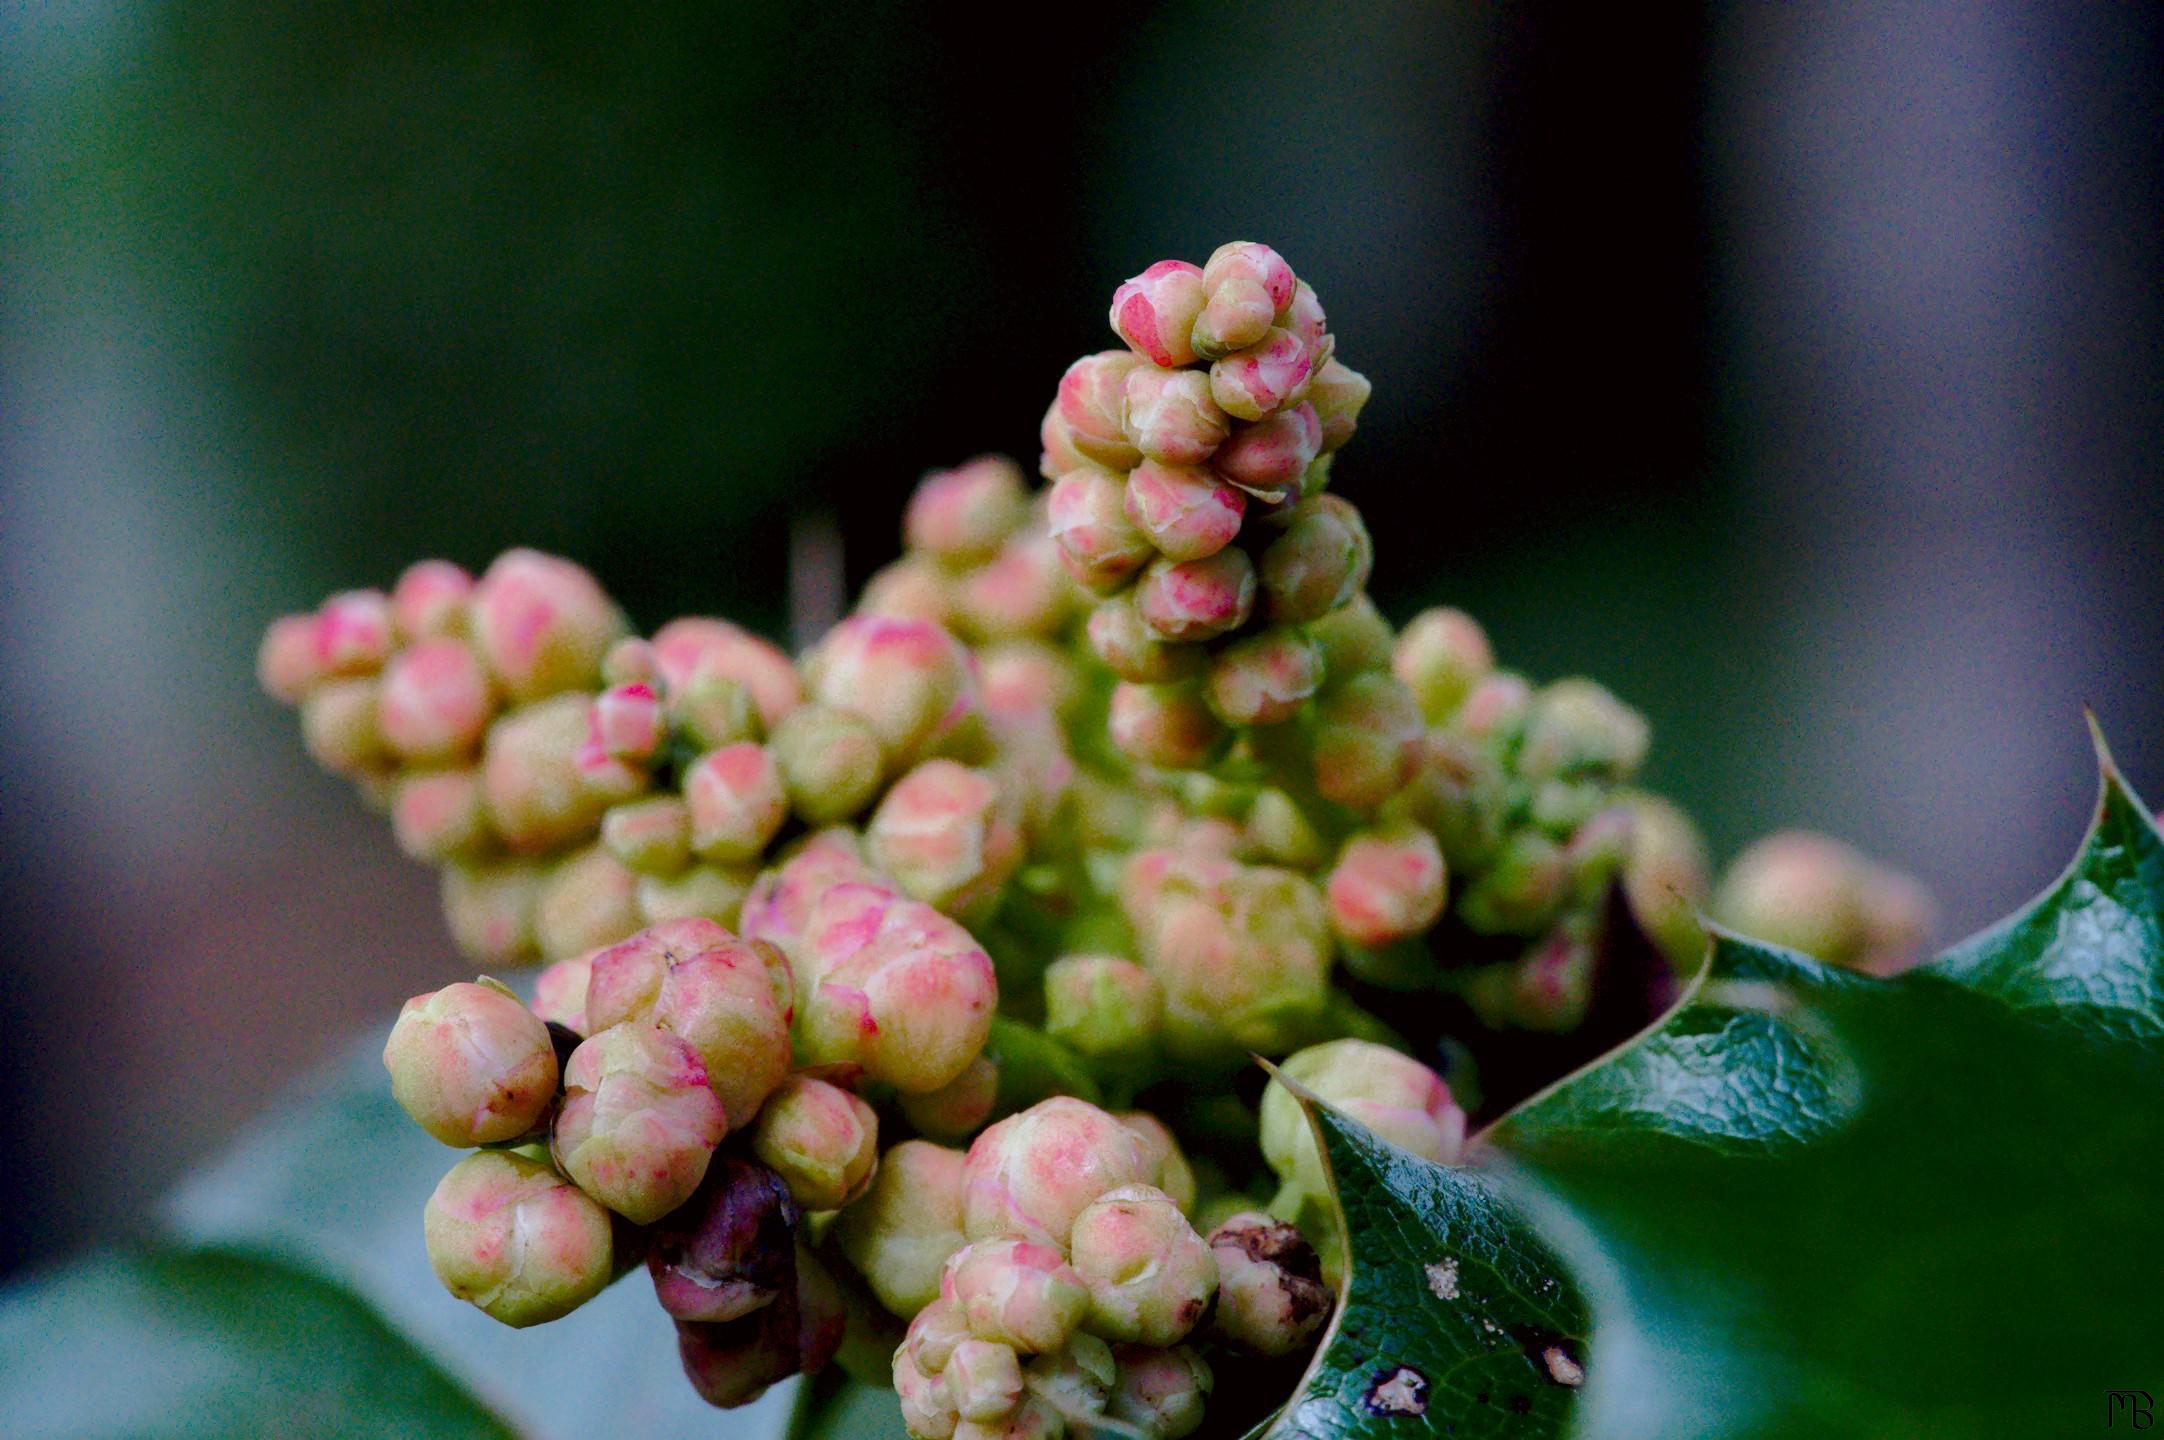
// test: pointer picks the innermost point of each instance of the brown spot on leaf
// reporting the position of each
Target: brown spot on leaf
(1398, 1390)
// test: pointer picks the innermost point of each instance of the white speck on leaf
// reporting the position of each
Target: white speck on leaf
(1561, 1368)
(1443, 1279)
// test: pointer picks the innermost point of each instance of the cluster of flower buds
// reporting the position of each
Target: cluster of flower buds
(1812, 893)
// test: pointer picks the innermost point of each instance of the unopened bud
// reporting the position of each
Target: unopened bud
(1441, 656)
(821, 1140)
(1303, 316)
(1163, 1158)
(1244, 955)
(829, 760)
(1133, 651)
(1028, 676)
(430, 599)
(911, 681)
(712, 710)
(439, 814)
(911, 588)
(1280, 831)
(1338, 394)
(489, 908)
(698, 891)
(961, 515)
(1098, 544)
(1170, 726)
(1547, 988)
(339, 726)
(1186, 512)
(435, 702)
(1387, 885)
(1460, 794)
(690, 649)
(1264, 679)
(1667, 878)
(652, 837)
(903, 1230)
(927, 1405)
(946, 835)
(1251, 382)
(736, 800)
(638, 1123)
(626, 721)
(1270, 458)
(1171, 416)
(729, 1250)
(957, 1109)
(1058, 456)
(897, 988)
(781, 899)
(1150, 1276)
(1797, 889)
(985, 1379)
(285, 663)
(542, 624)
(1367, 740)
(1394, 1095)
(1018, 1292)
(1160, 1392)
(588, 900)
(1494, 712)
(1520, 891)
(1091, 395)
(353, 633)
(1237, 314)
(1076, 1381)
(1197, 599)
(1021, 591)
(1354, 639)
(1270, 1293)
(470, 1064)
(1156, 311)
(1576, 728)
(559, 993)
(1319, 562)
(530, 774)
(1032, 1173)
(1102, 1006)
(516, 1239)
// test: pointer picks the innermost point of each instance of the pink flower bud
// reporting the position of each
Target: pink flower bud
(489, 907)
(1186, 512)
(927, 1405)
(904, 1229)
(1367, 740)
(1028, 677)
(947, 836)
(1250, 383)
(1495, 709)
(1032, 1173)
(626, 722)
(912, 681)
(737, 803)
(695, 647)
(1169, 726)
(1546, 989)
(435, 703)
(1237, 315)
(1338, 394)
(1133, 651)
(630, 661)
(727, 998)
(911, 588)
(1018, 1292)
(1021, 591)
(1577, 728)
(1319, 562)
(1304, 317)
(439, 814)
(830, 762)
(897, 988)
(1269, 458)
(638, 1123)
(1156, 311)
(958, 1108)
(711, 710)
(1150, 1276)
(782, 898)
(1264, 679)
(1103, 1006)
(1099, 545)
(339, 727)
(938, 1327)
(1441, 656)
(985, 1379)
(1394, 1095)
(1059, 455)
(559, 992)
(513, 1237)
(962, 515)
(821, 1140)
(470, 1064)
(353, 633)
(606, 779)
(1387, 885)
(650, 837)
(542, 624)
(1271, 1299)
(1251, 261)
(730, 1250)
(1800, 890)
(1160, 1392)
(1171, 415)
(588, 900)
(1243, 953)
(530, 775)
(697, 892)
(430, 599)
(1197, 599)
(1168, 1167)
(285, 663)
(1521, 890)
(1091, 395)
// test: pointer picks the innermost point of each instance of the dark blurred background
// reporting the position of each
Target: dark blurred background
(1799, 371)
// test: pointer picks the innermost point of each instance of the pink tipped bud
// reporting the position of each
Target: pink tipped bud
(1667, 877)
(1441, 656)
(927, 1404)
(530, 772)
(697, 892)
(1387, 885)
(630, 661)
(438, 814)
(1367, 740)
(430, 599)
(985, 1379)
(626, 722)
(961, 515)
(1091, 395)
(1237, 315)
(1460, 793)
(1161, 1393)
(1243, 952)
(1269, 458)
(489, 907)
(1169, 726)
(1186, 512)
(353, 634)
(1800, 890)
(821, 1140)
(1150, 1276)
(737, 802)
(1546, 989)
(730, 1250)
(285, 663)
(1197, 599)
(1032, 1173)
(1250, 383)
(470, 1064)
(1098, 544)
(1394, 1095)
(588, 900)
(897, 988)
(559, 992)
(947, 836)
(726, 998)
(1264, 679)
(1495, 709)
(1521, 890)
(1103, 1006)
(1059, 455)
(1133, 651)
(1578, 729)
(339, 726)
(1171, 415)
(1028, 677)
(957, 1109)
(515, 1239)
(542, 624)
(604, 777)
(911, 588)
(830, 762)
(1338, 394)
(1281, 831)
(692, 648)
(1167, 1166)
(1021, 591)
(1255, 262)
(435, 702)
(904, 1229)
(1270, 1293)
(712, 710)
(639, 1122)
(1019, 1293)
(782, 898)
(1320, 561)
(1304, 317)
(650, 837)
(910, 680)
(1156, 311)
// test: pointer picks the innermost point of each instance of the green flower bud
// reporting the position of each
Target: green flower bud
(1667, 878)
(1441, 656)
(530, 776)
(1520, 892)
(1187, 512)
(559, 992)
(1102, 1006)
(1032, 1173)
(1077, 1380)
(690, 649)
(1547, 988)
(338, 725)
(1460, 795)
(1156, 311)
(909, 680)
(956, 1109)
(439, 815)
(728, 999)
(1197, 599)
(1250, 383)
(1150, 1276)
(1091, 396)
(1171, 417)
(1494, 713)
(902, 1231)
(471, 1065)
(1032, 1419)
(947, 835)
(895, 987)
(1264, 679)
(512, 1237)
(1279, 831)
(631, 661)
(960, 516)
(1017, 1292)
(1101, 548)
(1396, 1096)
(1339, 395)
(435, 702)
(714, 711)
(1164, 725)
(985, 1379)
(1576, 728)
(1160, 1392)
(489, 906)
(830, 762)
(639, 1121)
(1133, 651)
(1812, 893)
(821, 1140)
(1318, 562)
(1237, 314)
(1354, 639)
(736, 801)
(1387, 885)
(709, 892)
(1595, 854)
(1168, 1167)
(1244, 958)
(1367, 740)
(590, 899)
(911, 588)
(1270, 1294)
(649, 837)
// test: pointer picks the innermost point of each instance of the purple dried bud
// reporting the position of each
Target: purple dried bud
(947, 836)
(430, 599)
(638, 1122)
(489, 907)
(1270, 458)
(1186, 512)
(1091, 395)
(830, 762)
(1099, 545)
(542, 624)
(1320, 561)
(470, 1064)
(438, 815)
(590, 899)
(906, 1227)
(1133, 651)
(729, 1250)
(1338, 395)
(652, 837)
(1251, 382)
(733, 1362)
(514, 1238)
(1169, 726)
(1171, 415)
(694, 648)
(1156, 311)
(962, 515)
(1264, 679)
(1270, 1293)
(820, 1139)
(1387, 885)
(736, 800)
(1197, 599)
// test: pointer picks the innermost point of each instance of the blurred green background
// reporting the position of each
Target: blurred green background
(1799, 372)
